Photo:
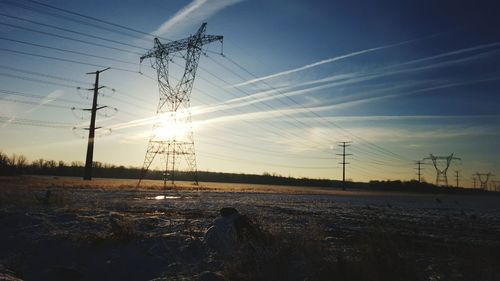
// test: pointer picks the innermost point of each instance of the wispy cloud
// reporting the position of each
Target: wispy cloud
(330, 60)
(192, 14)
(325, 61)
(52, 96)
(360, 77)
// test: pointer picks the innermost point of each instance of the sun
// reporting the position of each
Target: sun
(171, 125)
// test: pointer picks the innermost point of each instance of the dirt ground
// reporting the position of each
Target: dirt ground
(69, 229)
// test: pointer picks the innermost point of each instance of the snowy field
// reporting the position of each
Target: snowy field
(67, 229)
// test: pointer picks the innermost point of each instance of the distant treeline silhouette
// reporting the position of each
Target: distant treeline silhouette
(18, 165)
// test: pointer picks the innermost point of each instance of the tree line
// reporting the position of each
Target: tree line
(17, 164)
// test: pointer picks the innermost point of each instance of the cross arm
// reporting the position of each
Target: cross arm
(161, 49)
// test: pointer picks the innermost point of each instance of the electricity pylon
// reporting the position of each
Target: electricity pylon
(483, 179)
(495, 185)
(441, 176)
(172, 135)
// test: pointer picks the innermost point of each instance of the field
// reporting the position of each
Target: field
(68, 229)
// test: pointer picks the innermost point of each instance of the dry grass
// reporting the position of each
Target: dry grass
(43, 182)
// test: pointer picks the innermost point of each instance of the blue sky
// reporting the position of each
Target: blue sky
(400, 79)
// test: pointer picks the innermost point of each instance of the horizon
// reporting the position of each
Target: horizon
(401, 81)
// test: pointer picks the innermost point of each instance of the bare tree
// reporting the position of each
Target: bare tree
(40, 163)
(21, 162)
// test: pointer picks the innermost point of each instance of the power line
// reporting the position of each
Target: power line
(283, 94)
(226, 68)
(72, 19)
(271, 107)
(397, 156)
(71, 31)
(37, 80)
(33, 122)
(42, 74)
(35, 103)
(67, 51)
(63, 59)
(68, 38)
(97, 19)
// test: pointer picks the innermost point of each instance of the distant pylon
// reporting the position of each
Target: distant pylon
(441, 174)
(172, 135)
(495, 185)
(483, 179)
(457, 177)
(474, 180)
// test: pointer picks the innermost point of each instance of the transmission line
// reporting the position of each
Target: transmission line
(33, 122)
(68, 38)
(67, 51)
(98, 20)
(71, 31)
(397, 156)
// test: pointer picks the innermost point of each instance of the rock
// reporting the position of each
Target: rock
(232, 231)
(7, 275)
(122, 226)
(221, 236)
(210, 276)
(227, 211)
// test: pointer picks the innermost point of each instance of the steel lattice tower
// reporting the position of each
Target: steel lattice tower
(483, 181)
(441, 174)
(172, 135)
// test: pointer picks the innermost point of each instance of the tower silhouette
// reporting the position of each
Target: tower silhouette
(172, 135)
(483, 179)
(441, 173)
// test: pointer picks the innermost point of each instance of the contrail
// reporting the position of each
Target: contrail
(194, 13)
(330, 60)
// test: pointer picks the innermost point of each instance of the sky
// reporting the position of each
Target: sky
(400, 80)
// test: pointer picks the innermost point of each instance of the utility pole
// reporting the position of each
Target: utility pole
(344, 144)
(457, 176)
(419, 170)
(173, 109)
(92, 128)
(474, 180)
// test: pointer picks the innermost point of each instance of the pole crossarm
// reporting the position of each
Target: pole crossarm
(194, 41)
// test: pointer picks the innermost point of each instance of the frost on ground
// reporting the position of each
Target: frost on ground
(57, 230)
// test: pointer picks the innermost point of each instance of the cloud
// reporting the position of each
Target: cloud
(52, 96)
(330, 60)
(325, 61)
(192, 14)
